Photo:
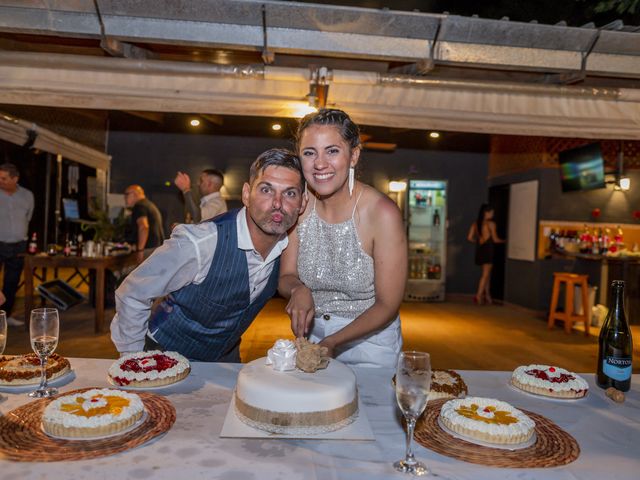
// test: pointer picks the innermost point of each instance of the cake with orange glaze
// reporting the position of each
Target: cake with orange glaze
(93, 413)
(487, 420)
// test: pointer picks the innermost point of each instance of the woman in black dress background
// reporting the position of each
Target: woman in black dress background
(483, 233)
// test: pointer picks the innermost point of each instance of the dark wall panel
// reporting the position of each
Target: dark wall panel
(152, 159)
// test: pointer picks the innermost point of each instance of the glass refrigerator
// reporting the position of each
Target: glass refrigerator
(426, 213)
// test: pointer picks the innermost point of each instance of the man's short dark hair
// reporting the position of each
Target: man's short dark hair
(11, 169)
(214, 172)
(276, 157)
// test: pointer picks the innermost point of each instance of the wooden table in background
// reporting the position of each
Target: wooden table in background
(98, 264)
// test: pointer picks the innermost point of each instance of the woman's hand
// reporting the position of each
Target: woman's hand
(327, 342)
(301, 310)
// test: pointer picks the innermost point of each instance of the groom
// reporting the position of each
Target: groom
(216, 275)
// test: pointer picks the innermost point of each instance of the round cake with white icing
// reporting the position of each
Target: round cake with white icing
(487, 420)
(149, 369)
(93, 413)
(550, 381)
(295, 402)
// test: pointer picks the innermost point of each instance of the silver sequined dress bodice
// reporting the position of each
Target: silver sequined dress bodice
(333, 265)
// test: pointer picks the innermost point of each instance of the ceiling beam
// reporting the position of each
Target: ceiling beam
(333, 31)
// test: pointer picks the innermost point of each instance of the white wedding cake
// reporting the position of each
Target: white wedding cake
(295, 402)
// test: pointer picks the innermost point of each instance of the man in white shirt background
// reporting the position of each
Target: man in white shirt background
(211, 202)
(16, 209)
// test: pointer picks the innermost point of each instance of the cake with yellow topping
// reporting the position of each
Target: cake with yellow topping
(487, 420)
(93, 413)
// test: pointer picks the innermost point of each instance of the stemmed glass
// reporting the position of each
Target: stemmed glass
(43, 329)
(413, 383)
(3, 330)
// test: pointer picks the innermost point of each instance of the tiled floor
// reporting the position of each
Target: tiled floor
(458, 335)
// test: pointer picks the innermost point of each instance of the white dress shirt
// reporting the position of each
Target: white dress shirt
(212, 205)
(183, 259)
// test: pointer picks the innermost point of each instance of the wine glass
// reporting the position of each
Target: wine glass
(3, 330)
(43, 329)
(413, 383)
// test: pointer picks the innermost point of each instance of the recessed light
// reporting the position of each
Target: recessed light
(194, 122)
(276, 127)
(434, 135)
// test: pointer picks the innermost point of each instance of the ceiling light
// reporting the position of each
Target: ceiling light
(276, 127)
(395, 186)
(299, 110)
(194, 122)
(625, 183)
(434, 135)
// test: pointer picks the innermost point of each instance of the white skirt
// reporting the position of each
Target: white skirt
(378, 349)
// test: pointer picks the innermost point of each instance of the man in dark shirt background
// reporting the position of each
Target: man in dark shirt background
(146, 220)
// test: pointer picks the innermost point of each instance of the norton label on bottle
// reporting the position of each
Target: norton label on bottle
(617, 368)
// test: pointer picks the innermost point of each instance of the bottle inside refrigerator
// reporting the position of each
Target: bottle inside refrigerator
(426, 213)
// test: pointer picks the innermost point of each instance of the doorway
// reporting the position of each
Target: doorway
(499, 199)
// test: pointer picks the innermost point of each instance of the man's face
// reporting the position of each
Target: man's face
(7, 182)
(274, 200)
(204, 184)
(130, 197)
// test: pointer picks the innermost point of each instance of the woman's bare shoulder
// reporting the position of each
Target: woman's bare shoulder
(377, 207)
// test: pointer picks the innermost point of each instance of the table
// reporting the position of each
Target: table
(608, 434)
(98, 264)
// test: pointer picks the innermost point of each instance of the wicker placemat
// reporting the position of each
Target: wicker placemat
(553, 448)
(22, 438)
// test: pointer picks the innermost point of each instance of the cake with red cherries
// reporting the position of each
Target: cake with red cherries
(487, 420)
(550, 381)
(149, 369)
(93, 413)
(25, 369)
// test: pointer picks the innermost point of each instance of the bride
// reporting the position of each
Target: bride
(345, 268)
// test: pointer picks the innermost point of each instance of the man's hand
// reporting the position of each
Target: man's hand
(183, 182)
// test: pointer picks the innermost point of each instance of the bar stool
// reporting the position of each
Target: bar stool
(569, 315)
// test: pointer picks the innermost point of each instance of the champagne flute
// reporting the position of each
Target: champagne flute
(3, 330)
(413, 383)
(43, 329)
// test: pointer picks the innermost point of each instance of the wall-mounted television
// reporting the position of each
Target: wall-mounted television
(582, 168)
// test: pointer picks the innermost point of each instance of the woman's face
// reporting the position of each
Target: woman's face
(326, 158)
(488, 215)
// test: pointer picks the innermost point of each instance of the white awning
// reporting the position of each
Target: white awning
(16, 131)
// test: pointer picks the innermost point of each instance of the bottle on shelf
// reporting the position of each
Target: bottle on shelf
(33, 244)
(66, 251)
(595, 242)
(79, 245)
(615, 344)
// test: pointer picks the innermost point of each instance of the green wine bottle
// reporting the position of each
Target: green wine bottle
(615, 344)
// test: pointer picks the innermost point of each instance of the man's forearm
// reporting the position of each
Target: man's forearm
(143, 236)
(191, 207)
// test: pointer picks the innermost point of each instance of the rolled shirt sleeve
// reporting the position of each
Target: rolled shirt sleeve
(183, 259)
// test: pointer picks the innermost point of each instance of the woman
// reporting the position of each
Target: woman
(345, 268)
(483, 233)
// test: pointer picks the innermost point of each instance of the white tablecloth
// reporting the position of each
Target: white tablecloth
(608, 434)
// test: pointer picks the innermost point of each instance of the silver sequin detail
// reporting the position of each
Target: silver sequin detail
(333, 265)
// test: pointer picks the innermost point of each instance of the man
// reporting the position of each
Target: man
(146, 220)
(16, 209)
(211, 202)
(216, 275)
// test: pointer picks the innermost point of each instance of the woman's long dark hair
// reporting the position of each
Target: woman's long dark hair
(484, 208)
